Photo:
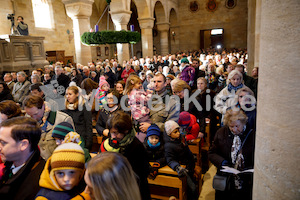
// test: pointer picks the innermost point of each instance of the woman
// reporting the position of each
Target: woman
(76, 108)
(123, 140)
(35, 79)
(76, 77)
(109, 176)
(105, 114)
(5, 93)
(226, 98)
(247, 103)
(206, 100)
(120, 85)
(233, 146)
(9, 109)
(88, 85)
(182, 90)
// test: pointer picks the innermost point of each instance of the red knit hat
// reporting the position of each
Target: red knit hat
(184, 118)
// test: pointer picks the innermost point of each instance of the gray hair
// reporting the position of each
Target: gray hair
(22, 73)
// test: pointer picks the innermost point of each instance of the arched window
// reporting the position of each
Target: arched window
(41, 13)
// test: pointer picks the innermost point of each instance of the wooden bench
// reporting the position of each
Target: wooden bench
(168, 178)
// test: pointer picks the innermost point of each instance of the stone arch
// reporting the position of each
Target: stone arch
(143, 8)
(160, 13)
(174, 32)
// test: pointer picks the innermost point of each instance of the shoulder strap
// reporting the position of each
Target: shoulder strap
(242, 144)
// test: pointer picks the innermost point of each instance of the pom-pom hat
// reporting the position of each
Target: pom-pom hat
(102, 81)
(184, 60)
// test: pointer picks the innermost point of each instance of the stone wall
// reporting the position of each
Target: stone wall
(233, 21)
(56, 38)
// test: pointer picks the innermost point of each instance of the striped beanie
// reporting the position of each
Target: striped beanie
(61, 130)
(110, 145)
(67, 156)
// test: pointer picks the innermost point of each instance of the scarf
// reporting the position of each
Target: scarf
(127, 140)
(231, 87)
(153, 146)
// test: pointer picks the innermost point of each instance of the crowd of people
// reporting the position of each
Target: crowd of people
(147, 110)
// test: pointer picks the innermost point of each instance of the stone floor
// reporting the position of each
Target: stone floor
(207, 192)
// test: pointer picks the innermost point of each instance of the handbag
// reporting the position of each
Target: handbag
(222, 182)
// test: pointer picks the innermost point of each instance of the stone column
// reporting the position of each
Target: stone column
(121, 19)
(251, 36)
(163, 28)
(257, 32)
(80, 12)
(146, 25)
(277, 150)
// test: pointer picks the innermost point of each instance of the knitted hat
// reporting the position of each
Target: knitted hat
(72, 137)
(110, 145)
(184, 118)
(102, 81)
(185, 60)
(61, 130)
(67, 156)
(153, 130)
(170, 126)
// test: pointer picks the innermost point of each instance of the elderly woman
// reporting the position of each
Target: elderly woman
(35, 79)
(233, 146)
(226, 98)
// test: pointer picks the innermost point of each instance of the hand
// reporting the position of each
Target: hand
(181, 171)
(200, 135)
(144, 126)
(105, 132)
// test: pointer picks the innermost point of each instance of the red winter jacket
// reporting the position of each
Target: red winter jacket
(193, 129)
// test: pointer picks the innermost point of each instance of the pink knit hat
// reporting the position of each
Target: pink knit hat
(102, 81)
(184, 118)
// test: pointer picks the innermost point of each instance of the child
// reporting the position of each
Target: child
(62, 177)
(177, 152)
(138, 100)
(188, 123)
(101, 91)
(64, 133)
(155, 149)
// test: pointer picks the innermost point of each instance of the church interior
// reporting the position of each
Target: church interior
(268, 30)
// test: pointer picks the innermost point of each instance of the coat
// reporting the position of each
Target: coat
(50, 189)
(20, 91)
(125, 72)
(221, 150)
(160, 112)
(178, 152)
(83, 124)
(103, 116)
(188, 74)
(23, 185)
(6, 95)
(47, 143)
(193, 129)
(156, 154)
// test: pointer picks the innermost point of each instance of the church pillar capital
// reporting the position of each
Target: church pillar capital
(120, 19)
(163, 26)
(146, 23)
(78, 8)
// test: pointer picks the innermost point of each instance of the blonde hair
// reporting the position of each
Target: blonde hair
(112, 177)
(130, 83)
(180, 85)
(231, 116)
(232, 74)
(76, 91)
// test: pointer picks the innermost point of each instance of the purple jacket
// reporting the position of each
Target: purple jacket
(187, 74)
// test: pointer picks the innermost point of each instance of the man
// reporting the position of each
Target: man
(198, 72)
(36, 108)
(163, 109)
(62, 79)
(14, 76)
(47, 79)
(19, 139)
(22, 27)
(8, 80)
(86, 72)
(21, 88)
